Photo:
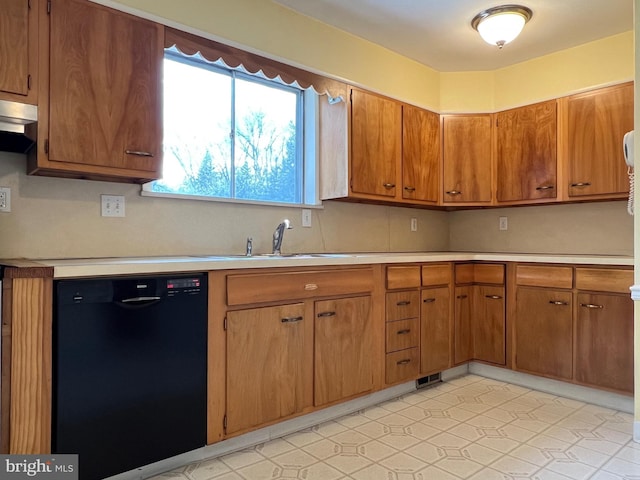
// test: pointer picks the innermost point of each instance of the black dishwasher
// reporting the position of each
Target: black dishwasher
(129, 370)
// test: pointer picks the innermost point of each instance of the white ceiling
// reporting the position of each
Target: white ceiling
(438, 33)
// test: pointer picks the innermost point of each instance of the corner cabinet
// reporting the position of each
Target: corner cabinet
(19, 50)
(526, 154)
(595, 124)
(100, 95)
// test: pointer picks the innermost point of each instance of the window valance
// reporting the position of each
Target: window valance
(212, 51)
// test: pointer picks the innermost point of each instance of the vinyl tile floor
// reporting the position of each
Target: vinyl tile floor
(467, 428)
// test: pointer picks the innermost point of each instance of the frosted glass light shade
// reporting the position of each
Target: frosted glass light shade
(500, 25)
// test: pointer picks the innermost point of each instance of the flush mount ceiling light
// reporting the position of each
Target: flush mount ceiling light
(500, 25)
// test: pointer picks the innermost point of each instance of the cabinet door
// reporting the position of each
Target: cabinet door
(376, 136)
(526, 153)
(435, 330)
(463, 334)
(544, 331)
(420, 154)
(467, 159)
(105, 88)
(604, 341)
(597, 121)
(14, 46)
(343, 346)
(265, 354)
(489, 324)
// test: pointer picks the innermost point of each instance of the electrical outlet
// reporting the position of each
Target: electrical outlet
(502, 223)
(414, 224)
(5, 199)
(306, 217)
(112, 205)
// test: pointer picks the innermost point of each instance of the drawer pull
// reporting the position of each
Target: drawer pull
(311, 286)
(326, 314)
(138, 153)
(546, 187)
(558, 302)
(410, 189)
(404, 332)
(429, 300)
(581, 184)
(403, 303)
(389, 186)
(454, 192)
(493, 297)
(404, 362)
(591, 305)
(462, 297)
(291, 319)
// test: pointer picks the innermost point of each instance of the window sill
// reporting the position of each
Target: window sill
(148, 193)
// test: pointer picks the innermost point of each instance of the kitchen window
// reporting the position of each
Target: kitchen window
(234, 136)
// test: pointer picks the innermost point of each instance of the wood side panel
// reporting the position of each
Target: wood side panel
(467, 159)
(402, 305)
(488, 273)
(5, 387)
(216, 358)
(376, 144)
(14, 46)
(439, 274)
(334, 149)
(402, 334)
(402, 366)
(604, 279)
(31, 367)
(420, 155)
(435, 330)
(403, 277)
(275, 286)
(544, 276)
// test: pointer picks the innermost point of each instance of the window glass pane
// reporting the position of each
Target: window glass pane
(265, 143)
(197, 126)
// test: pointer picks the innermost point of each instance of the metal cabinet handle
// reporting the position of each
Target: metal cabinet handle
(454, 192)
(403, 332)
(558, 302)
(410, 189)
(326, 314)
(389, 186)
(493, 297)
(591, 305)
(403, 303)
(546, 187)
(138, 153)
(462, 296)
(581, 184)
(291, 319)
(404, 362)
(429, 300)
(140, 299)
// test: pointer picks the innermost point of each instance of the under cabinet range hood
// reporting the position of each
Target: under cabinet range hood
(17, 126)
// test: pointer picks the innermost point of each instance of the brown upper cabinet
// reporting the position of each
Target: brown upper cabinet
(595, 123)
(526, 154)
(467, 167)
(99, 111)
(18, 50)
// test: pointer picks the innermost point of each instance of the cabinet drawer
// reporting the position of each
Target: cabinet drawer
(436, 275)
(272, 287)
(402, 365)
(543, 276)
(402, 305)
(402, 334)
(604, 279)
(403, 277)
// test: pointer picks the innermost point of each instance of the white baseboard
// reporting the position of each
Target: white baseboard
(601, 398)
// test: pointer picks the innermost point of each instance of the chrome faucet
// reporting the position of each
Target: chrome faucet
(278, 235)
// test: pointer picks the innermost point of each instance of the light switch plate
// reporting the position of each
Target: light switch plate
(112, 205)
(306, 217)
(5, 199)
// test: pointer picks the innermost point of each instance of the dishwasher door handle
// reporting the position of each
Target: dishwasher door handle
(137, 302)
(140, 299)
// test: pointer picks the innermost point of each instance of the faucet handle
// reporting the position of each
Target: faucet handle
(249, 251)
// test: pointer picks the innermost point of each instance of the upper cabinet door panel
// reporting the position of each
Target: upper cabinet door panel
(14, 46)
(376, 133)
(526, 153)
(597, 121)
(467, 158)
(105, 87)
(420, 154)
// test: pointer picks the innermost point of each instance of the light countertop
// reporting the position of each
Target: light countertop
(89, 267)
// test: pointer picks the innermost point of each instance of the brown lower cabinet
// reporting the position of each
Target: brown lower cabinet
(435, 330)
